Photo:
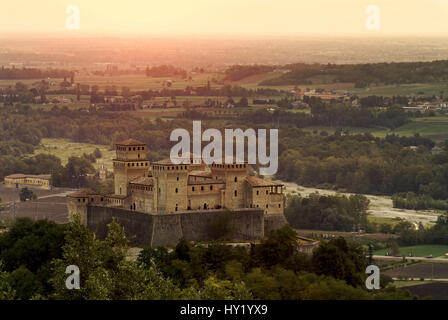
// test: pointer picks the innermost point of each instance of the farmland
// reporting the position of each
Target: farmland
(419, 251)
(435, 128)
(64, 149)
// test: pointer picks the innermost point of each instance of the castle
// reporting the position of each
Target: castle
(156, 191)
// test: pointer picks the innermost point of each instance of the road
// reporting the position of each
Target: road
(411, 258)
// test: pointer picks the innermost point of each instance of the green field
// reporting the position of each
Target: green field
(425, 89)
(432, 127)
(64, 149)
(382, 220)
(419, 251)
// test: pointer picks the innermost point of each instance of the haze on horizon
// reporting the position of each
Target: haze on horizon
(233, 17)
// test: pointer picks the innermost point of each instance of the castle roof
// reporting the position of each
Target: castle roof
(258, 182)
(200, 173)
(130, 142)
(84, 193)
(166, 161)
(147, 181)
(207, 181)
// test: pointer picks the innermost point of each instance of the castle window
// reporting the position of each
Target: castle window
(266, 206)
(211, 187)
(202, 188)
(146, 164)
(134, 148)
(267, 192)
(192, 189)
(129, 164)
(130, 149)
(137, 164)
(177, 190)
(143, 148)
(236, 193)
(279, 205)
(257, 192)
(79, 200)
(236, 179)
(177, 178)
(138, 148)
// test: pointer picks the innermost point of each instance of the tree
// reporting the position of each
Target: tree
(243, 102)
(6, 291)
(104, 271)
(97, 153)
(394, 247)
(26, 194)
(341, 260)
(25, 283)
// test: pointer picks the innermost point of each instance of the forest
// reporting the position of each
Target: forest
(364, 74)
(32, 73)
(35, 255)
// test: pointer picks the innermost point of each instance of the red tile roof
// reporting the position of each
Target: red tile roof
(20, 175)
(84, 193)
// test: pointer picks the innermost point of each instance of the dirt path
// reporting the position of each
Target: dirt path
(380, 206)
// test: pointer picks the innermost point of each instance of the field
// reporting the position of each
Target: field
(432, 127)
(435, 128)
(64, 149)
(142, 82)
(419, 251)
(417, 271)
(424, 89)
(435, 290)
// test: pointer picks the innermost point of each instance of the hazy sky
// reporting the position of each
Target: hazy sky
(276, 17)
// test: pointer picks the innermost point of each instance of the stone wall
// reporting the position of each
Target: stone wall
(144, 229)
(273, 222)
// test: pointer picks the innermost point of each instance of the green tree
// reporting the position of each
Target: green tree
(26, 194)
(341, 260)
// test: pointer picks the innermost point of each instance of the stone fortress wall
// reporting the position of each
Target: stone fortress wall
(153, 230)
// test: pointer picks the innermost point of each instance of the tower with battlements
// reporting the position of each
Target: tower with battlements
(130, 162)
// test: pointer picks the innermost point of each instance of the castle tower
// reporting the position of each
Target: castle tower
(170, 186)
(234, 177)
(78, 202)
(130, 162)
